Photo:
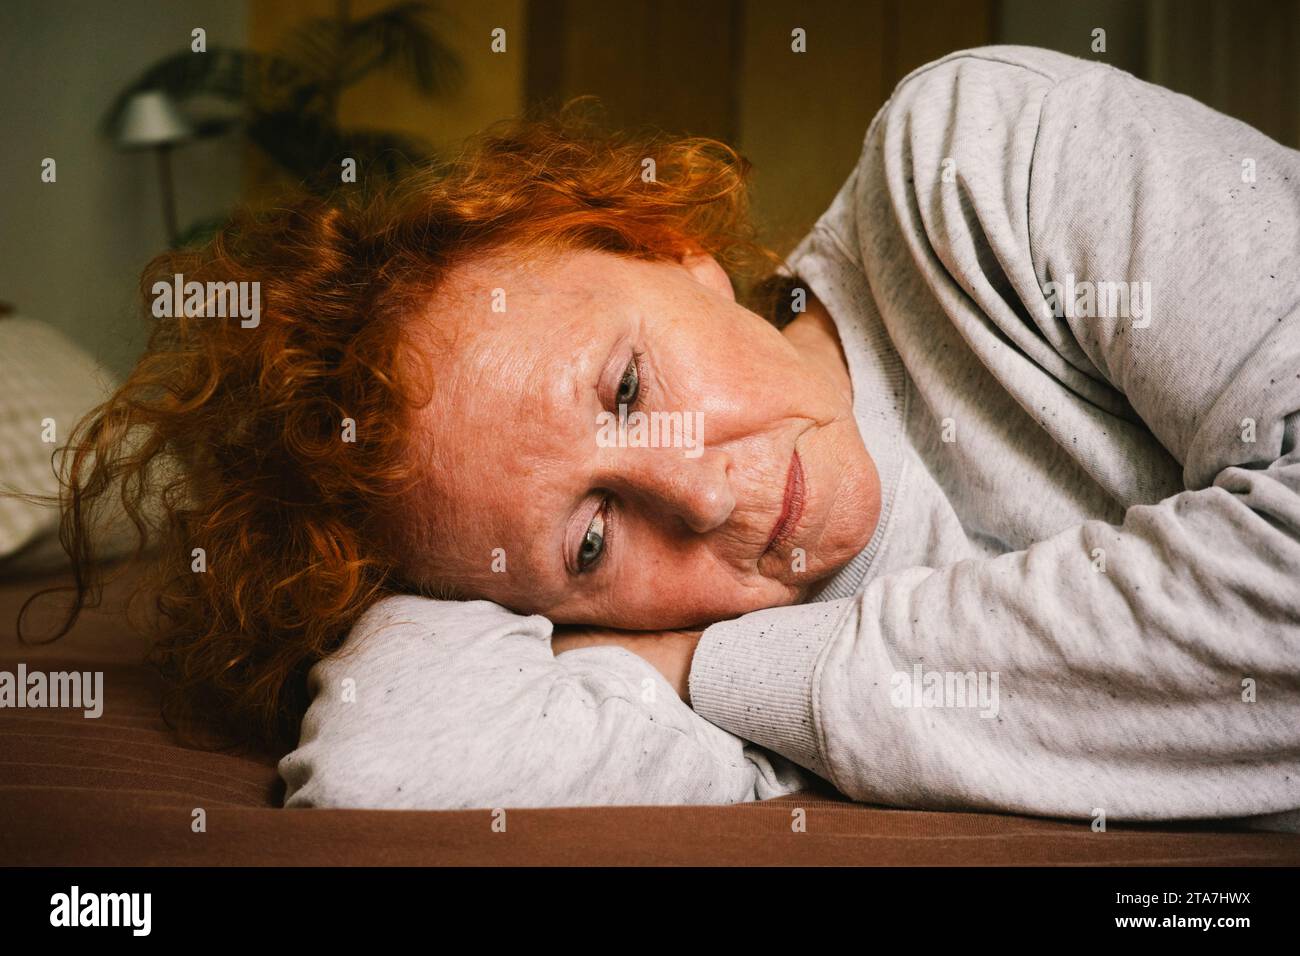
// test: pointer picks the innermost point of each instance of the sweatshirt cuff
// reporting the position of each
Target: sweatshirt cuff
(754, 676)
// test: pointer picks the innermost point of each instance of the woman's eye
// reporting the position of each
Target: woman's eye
(629, 386)
(593, 543)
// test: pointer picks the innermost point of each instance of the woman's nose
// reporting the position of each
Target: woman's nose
(696, 490)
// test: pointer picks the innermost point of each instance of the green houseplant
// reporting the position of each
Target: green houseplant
(286, 102)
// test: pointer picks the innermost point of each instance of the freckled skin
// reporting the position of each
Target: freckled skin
(515, 463)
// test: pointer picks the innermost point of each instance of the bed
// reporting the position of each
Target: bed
(121, 790)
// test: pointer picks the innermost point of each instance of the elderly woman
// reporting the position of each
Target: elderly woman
(997, 508)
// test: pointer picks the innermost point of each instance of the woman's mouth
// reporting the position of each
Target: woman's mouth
(791, 504)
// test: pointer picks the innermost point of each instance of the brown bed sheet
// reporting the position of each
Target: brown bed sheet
(121, 790)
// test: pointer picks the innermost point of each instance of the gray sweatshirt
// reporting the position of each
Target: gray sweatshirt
(1070, 305)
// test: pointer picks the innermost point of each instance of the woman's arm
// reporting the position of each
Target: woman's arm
(449, 705)
(668, 652)
(1150, 670)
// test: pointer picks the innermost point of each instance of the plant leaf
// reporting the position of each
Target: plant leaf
(311, 149)
(405, 39)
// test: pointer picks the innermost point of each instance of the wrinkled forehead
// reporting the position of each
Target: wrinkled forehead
(510, 340)
(510, 359)
(560, 277)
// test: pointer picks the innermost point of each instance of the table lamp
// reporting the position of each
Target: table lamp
(151, 120)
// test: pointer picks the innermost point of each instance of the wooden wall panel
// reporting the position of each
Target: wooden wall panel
(725, 68)
(1238, 56)
(804, 116)
(666, 63)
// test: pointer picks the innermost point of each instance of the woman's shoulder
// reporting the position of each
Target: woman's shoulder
(974, 84)
(1002, 60)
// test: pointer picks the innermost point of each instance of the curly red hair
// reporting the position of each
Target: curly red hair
(228, 438)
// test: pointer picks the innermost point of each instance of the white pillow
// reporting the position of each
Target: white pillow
(46, 384)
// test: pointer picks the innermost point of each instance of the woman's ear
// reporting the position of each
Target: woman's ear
(705, 270)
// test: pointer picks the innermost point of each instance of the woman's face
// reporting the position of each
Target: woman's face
(539, 501)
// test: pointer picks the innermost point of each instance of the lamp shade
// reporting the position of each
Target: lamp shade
(151, 119)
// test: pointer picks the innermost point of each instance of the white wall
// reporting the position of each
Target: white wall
(71, 251)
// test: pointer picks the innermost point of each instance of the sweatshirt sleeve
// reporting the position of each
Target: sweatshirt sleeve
(456, 705)
(1149, 670)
